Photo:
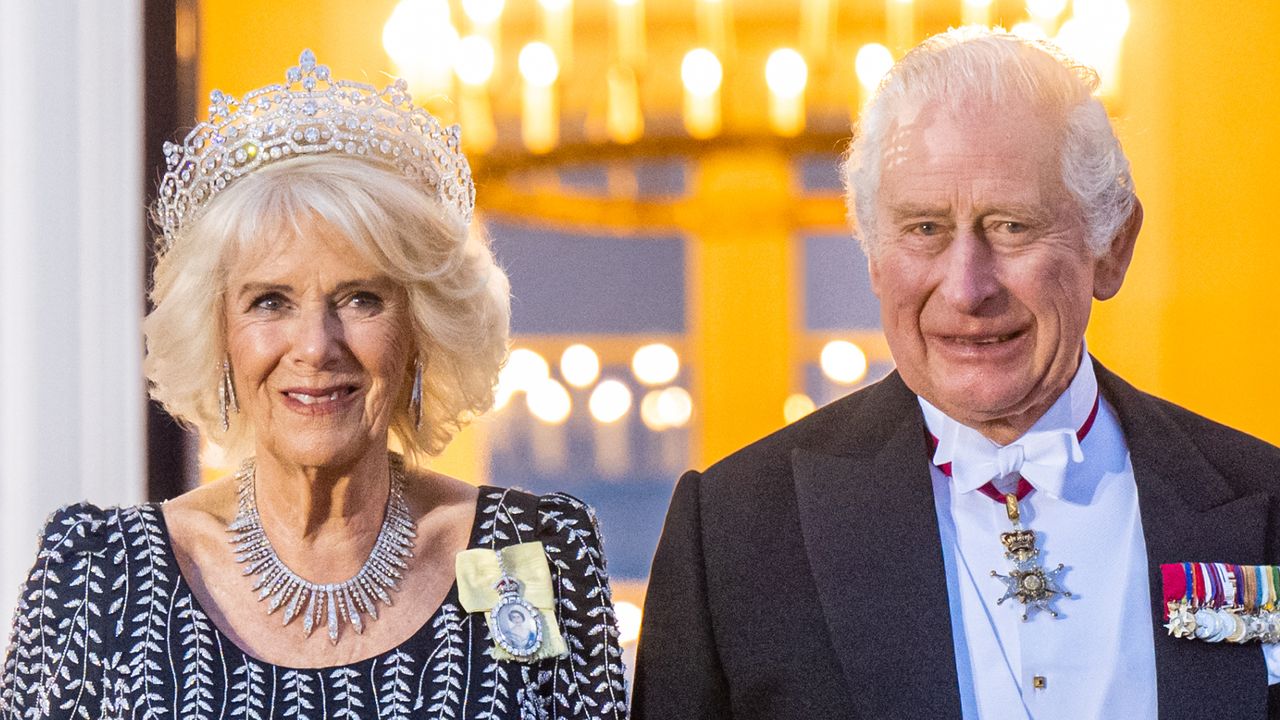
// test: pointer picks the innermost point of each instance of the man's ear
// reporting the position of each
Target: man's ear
(1111, 266)
(873, 270)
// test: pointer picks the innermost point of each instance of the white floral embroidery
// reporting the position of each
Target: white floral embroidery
(107, 628)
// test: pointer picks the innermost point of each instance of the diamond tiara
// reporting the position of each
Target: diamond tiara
(308, 115)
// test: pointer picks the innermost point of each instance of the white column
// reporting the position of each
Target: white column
(72, 398)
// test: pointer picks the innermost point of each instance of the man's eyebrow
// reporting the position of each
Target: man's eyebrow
(902, 211)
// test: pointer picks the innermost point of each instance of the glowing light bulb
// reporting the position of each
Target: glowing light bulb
(701, 72)
(797, 406)
(786, 73)
(579, 365)
(538, 64)
(549, 402)
(475, 61)
(843, 362)
(610, 401)
(871, 63)
(655, 364)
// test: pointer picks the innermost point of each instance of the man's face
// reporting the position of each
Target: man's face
(984, 277)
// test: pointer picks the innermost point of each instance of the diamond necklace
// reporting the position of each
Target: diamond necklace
(335, 602)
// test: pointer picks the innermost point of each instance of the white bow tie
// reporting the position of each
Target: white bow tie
(1041, 457)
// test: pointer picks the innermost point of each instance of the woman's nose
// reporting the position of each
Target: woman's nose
(318, 340)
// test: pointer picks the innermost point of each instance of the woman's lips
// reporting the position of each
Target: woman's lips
(317, 401)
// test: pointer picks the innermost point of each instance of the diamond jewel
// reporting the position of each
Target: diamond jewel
(334, 605)
(278, 115)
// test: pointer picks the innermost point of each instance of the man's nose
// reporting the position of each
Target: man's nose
(969, 277)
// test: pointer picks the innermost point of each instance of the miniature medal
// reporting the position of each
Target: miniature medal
(514, 621)
(1222, 602)
(1027, 581)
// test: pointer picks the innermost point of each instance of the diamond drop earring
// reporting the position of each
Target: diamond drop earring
(227, 395)
(415, 395)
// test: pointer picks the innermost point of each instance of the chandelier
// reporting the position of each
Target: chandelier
(528, 78)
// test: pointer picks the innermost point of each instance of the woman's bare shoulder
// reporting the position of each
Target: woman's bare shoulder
(202, 515)
(431, 493)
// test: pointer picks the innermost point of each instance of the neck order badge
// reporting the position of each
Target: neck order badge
(1028, 581)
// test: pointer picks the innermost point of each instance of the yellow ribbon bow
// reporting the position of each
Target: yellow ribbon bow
(478, 571)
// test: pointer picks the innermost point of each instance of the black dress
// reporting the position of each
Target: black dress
(107, 627)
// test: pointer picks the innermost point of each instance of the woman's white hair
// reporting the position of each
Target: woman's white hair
(459, 299)
(971, 66)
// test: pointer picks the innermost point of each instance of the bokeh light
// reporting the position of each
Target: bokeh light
(701, 72)
(786, 73)
(655, 364)
(483, 12)
(796, 406)
(475, 61)
(843, 362)
(538, 64)
(1046, 9)
(871, 63)
(629, 616)
(610, 401)
(674, 407)
(549, 401)
(580, 365)
(420, 37)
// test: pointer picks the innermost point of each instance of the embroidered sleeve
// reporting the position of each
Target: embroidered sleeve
(55, 666)
(589, 682)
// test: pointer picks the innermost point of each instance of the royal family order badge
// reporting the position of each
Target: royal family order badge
(515, 623)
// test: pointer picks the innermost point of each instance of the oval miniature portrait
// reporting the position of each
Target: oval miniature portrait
(518, 627)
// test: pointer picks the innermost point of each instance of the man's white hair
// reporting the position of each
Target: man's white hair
(967, 67)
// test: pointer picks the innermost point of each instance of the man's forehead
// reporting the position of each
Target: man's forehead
(923, 130)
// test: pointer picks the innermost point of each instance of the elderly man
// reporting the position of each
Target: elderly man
(980, 534)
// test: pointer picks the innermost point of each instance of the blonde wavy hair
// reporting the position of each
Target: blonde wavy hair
(459, 299)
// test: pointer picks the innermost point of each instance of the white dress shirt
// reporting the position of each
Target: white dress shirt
(1096, 658)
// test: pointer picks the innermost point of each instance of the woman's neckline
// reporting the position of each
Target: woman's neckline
(181, 584)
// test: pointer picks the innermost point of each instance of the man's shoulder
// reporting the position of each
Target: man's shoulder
(1234, 453)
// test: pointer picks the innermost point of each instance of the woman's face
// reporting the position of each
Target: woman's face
(319, 344)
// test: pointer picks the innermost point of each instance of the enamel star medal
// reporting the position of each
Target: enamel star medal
(515, 622)
(1027, 582)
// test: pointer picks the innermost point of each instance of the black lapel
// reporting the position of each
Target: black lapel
(1191, 514)
(867, 515)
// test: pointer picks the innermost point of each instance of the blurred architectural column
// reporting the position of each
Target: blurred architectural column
(71, 287)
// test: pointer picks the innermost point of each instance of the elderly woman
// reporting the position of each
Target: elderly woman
(321, 293)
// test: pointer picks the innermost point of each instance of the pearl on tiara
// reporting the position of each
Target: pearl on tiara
(310, 114)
